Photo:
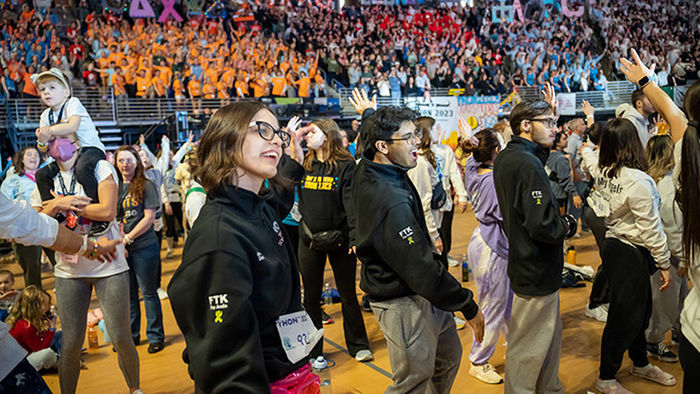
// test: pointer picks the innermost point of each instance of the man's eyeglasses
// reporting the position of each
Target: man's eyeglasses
(267, 132)
(549, 122)
(414, 137)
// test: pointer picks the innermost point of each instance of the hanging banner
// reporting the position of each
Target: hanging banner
(566, 103)
(480, 112)
(502, 13)
(169, 10)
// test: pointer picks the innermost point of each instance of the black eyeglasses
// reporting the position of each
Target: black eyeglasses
(267, 132)
(414, 137)
(549, 122)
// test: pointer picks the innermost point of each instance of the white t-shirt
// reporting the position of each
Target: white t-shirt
(86, 268)
(87, 133)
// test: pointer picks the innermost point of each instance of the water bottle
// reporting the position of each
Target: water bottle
(465, 268)
(327, 298)
(93, 343)
(571, 255)
(321, 369)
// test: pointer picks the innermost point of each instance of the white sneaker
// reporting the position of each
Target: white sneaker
(460, 323)
(655, 374)
(599, 313)
(452, 262)
(162, 294)
(486, 373)
(611, 386)
(364, 355)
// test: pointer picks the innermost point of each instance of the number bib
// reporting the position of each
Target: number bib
(298, 334)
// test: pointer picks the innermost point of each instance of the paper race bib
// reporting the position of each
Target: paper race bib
(69, 258)
(298, 334)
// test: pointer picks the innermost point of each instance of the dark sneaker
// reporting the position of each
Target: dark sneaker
(675, 337)
(365, 304)
(661, 352)
(98, 228)
(155, 347)
(326, 318)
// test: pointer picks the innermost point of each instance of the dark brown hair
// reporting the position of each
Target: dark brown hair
(424, 124)
(220, 150)
(488, 142)
(690, 175)
(19, 162)
(138, 182)
(620, 147)
(333, 146)
(527, 110)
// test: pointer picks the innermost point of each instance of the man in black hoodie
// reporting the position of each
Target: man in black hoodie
(536, 233)
(410, 291)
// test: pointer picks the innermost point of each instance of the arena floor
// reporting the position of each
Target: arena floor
(165, 372)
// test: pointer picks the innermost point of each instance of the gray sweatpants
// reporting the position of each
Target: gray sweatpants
(424, 348)
(534, 345)
(73, 301)
(666, 305)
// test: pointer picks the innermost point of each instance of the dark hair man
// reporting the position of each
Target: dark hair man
(410, 291)
(536, 234)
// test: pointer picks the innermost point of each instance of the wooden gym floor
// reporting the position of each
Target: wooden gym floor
(165, 372)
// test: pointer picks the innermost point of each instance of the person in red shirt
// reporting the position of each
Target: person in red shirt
(33, 325)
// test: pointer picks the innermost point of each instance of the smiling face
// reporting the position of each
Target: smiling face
(30, 160)
(259, 157)
(403, 151)
(53, 93)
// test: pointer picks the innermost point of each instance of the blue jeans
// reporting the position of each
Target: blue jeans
(143, 264)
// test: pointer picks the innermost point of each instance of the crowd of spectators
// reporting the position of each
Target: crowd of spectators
(390, 51)
(666, 31)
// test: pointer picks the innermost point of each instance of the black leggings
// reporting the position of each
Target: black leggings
(690, 361)
(84, 174)
(627, 270)
(312, 265)
(446, 231)
(171, 231)
(600, 291)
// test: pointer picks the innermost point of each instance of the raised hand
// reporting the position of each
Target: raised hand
(550, 96)
(361, 102)
(293, 124)
(634, 71)
(587, 108)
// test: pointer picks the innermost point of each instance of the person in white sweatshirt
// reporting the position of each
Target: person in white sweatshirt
(685, 133)
(665, 312)
(634, 247)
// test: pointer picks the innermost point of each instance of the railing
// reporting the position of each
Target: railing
(104, 108)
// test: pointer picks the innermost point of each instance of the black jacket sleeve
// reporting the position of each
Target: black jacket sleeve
(289, 174)
(403, 245)
(210, 300)
(541, 218)
(348, 204)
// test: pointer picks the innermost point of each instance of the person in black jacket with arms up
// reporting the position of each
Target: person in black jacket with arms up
(536, 232)
(238, 276)
(325, 204)
(410, 291)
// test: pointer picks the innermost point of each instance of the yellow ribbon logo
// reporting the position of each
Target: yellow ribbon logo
(217, 317)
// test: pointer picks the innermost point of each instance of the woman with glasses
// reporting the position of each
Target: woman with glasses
(327, 230)
(136, 208)
(238, 275)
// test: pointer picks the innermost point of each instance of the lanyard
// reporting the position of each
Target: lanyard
(63, 185)
(60, 114)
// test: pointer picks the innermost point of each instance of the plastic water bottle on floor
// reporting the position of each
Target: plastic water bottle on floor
(93, 342)
(327, 297)
(321, 369)
(465, 268)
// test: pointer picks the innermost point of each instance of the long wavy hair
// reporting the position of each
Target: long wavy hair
(138, 182)
(690, 175)
(28, 306)
(425, 124)
(660, 156)
(332, 147)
